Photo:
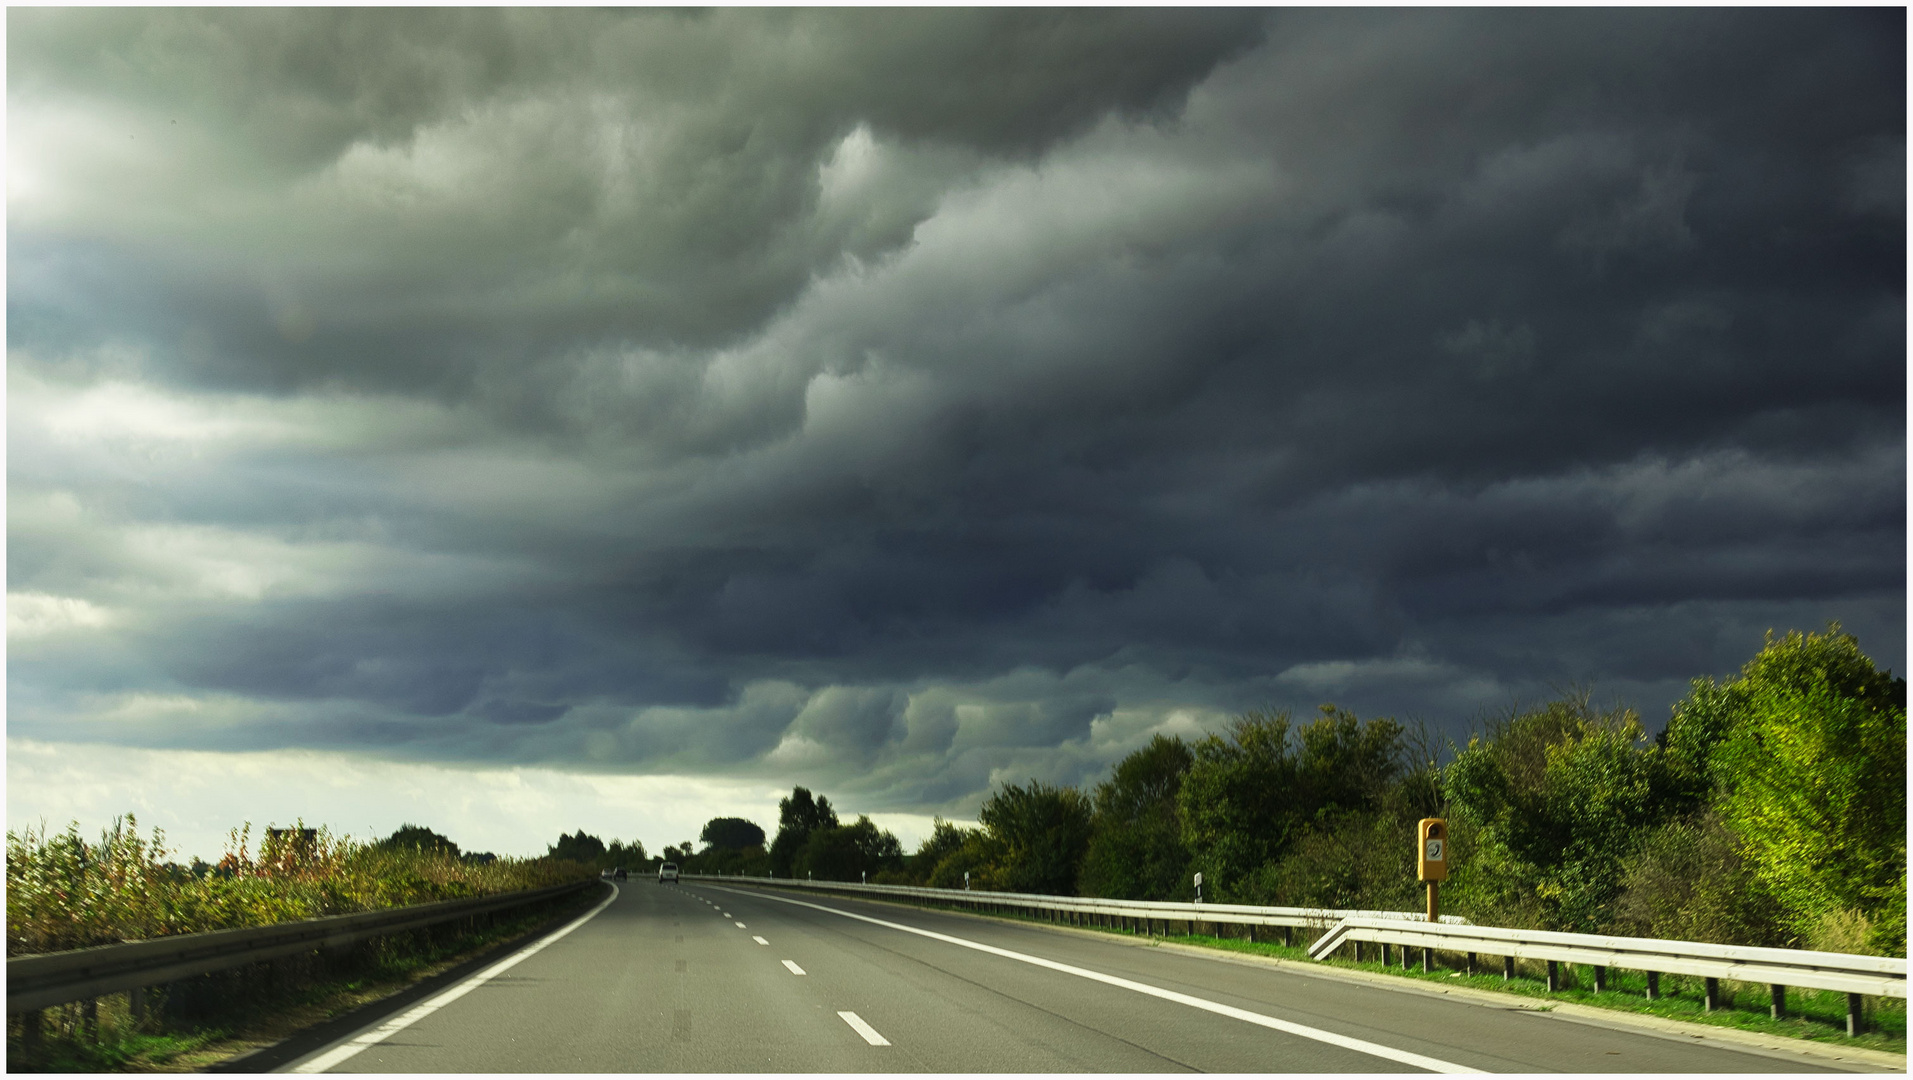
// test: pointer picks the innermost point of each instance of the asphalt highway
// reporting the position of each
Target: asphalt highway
(701, 977)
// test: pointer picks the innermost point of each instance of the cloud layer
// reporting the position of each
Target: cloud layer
(903, 402)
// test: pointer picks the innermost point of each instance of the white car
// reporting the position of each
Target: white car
(667, 871)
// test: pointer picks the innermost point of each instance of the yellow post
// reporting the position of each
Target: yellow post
(1431, 860)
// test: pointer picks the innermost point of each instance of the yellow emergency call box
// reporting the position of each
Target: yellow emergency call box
(1431, 854)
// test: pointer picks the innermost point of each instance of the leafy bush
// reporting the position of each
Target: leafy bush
(1691, 881)
(1811, 773)
(1567, 794)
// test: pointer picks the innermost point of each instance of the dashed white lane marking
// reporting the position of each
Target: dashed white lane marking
(869, 1033)
(759, 940)
(741, 926)
(392, 1027)
(794, 969)
(1361, 1046)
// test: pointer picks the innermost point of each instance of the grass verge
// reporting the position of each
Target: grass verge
(1814, 1015)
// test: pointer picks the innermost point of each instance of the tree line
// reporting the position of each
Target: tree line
(1771, 810)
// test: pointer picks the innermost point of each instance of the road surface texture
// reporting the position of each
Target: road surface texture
(702, 977)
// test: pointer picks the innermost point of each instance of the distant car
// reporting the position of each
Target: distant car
(619, 873)
(668, 872)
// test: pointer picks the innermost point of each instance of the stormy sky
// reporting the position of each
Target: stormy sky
(903, 402)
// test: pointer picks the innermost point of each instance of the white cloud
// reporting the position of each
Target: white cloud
(196, 796)
(35, 614)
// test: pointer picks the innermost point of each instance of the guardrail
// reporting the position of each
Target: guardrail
(46, 979)
(1856, 976)
(1138, 915)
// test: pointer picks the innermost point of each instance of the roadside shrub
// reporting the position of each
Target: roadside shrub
(1692, 881)
(66, 893)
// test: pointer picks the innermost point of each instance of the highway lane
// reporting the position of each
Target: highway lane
(664, 978)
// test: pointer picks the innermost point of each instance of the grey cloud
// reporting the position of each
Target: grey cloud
(723, 392)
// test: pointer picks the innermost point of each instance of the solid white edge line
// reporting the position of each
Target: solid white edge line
(862, 1028)
(794, 969)
(1361, 1046)
(431, 1005)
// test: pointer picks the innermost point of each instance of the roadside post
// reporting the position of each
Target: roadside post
(1192, 924)
(1431, 860)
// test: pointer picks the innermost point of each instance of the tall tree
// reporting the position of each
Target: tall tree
(797, 817)
(582, 847)
(729, 833)
(848, 852)
(1237, 801)
(1043, 831)
(1135, 848)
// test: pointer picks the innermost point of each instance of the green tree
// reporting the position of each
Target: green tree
(1811, 773)
(1135, 848)
(582, 847)
(626, 854)
(980, 855)
(1237, 801)
(944, 840)
(418, 838)
(1043, 832)
(847, 852)
(732, 833)
(1250, 796)
(797, 817)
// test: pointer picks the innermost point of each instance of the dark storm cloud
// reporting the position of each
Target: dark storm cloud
(914, 401)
